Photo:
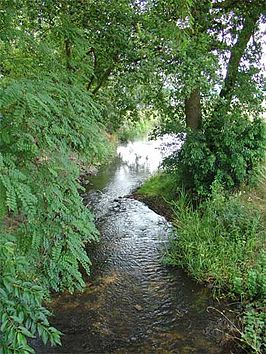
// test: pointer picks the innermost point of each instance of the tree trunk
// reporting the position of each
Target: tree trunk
(193, 110)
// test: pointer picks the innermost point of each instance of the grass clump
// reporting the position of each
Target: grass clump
(218, 241)
(161, 185)
(222, 242)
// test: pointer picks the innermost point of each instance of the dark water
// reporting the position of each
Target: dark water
(133, 303)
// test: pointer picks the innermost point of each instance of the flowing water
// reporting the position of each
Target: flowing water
(133, 303)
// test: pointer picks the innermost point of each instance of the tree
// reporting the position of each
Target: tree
(214, 86)
(224, 37)
(70, 70)
(49, 126)
(63, 65)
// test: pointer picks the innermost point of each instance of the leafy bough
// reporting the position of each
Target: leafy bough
(44, 225)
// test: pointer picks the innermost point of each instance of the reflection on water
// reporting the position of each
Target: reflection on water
(141, 155)
(133, 303)
(135, 162)
(148, 155)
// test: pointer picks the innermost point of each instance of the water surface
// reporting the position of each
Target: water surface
(133, 303)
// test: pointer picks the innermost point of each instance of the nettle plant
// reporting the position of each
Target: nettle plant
(45, 127)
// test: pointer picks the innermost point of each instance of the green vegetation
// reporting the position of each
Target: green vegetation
(221, 241)
(45, 226)
(50, 126)
(137, 128)
(161, 185)
(71, 73)
(229, 149)
(220, 235)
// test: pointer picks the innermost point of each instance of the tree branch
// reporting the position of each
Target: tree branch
(105, 75)
(68, 51)
(103, 78)
(94, 62)
(236, 54)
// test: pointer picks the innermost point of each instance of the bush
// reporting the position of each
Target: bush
(229, 149)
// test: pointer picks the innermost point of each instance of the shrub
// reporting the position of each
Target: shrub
(229, 149)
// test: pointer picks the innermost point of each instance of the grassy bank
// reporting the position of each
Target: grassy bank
(222, 242)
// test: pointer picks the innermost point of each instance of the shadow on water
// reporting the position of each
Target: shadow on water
(133, 303)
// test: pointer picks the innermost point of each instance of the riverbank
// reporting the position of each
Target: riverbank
(157, 204)
(220, 244)
(158, 193)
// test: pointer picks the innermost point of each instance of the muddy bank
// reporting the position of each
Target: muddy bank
(157, 204)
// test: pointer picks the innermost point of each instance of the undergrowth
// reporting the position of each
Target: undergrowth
(222, 241)
(218, 241)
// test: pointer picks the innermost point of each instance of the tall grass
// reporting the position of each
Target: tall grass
(223, 242)
(218, 241)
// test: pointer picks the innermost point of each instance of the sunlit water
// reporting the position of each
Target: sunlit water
(133, 303)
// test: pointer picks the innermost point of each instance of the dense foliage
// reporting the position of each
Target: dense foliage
(49, 127)
(222, 243)
(229, 149)
(217, 69)
(45, 128)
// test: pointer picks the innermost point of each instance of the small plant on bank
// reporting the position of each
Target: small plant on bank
(161, 185)
(254, 327)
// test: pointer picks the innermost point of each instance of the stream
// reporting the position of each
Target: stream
(133, 303)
